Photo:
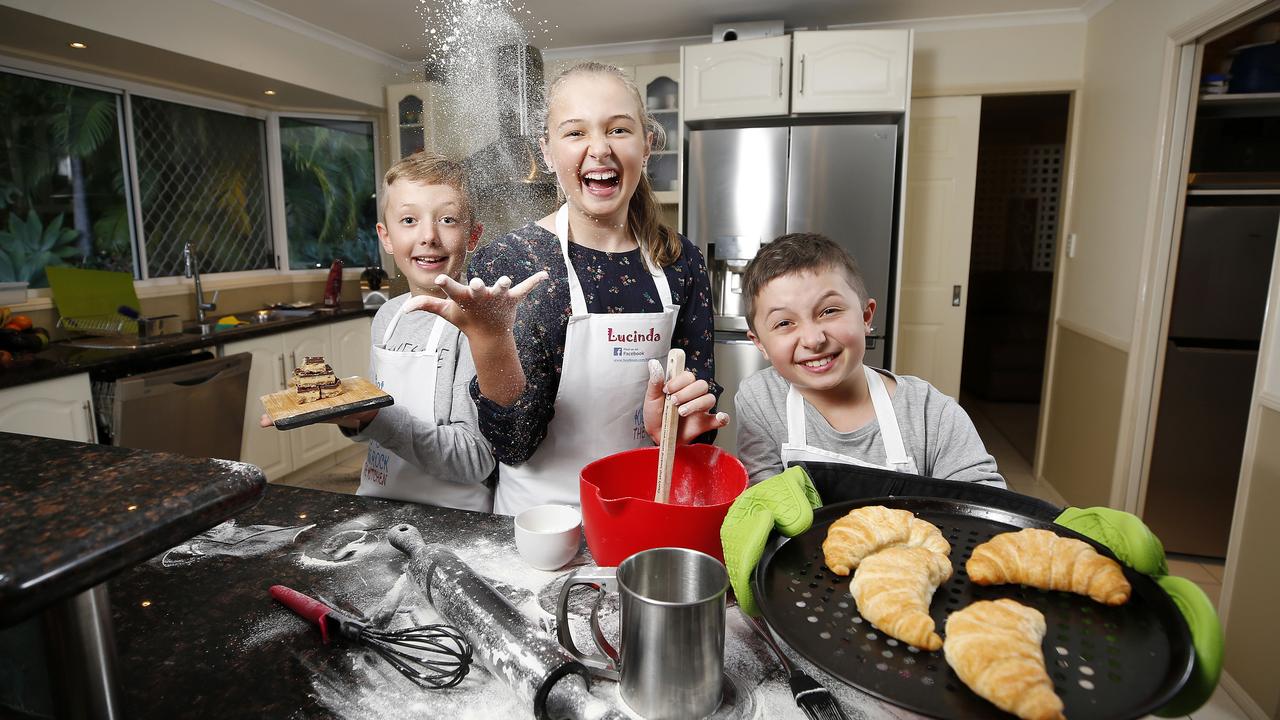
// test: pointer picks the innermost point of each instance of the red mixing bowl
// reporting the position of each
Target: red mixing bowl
(620, 518)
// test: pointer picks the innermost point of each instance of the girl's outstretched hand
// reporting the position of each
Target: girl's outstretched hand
(477, 309)
(693, 399)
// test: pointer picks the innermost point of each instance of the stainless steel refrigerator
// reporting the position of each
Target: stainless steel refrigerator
(745, 186)
(1211, 358)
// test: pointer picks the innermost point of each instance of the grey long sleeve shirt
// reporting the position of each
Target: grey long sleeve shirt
(451, 448)
(935, 429)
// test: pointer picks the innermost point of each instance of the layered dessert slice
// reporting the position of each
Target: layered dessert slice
(315, 380)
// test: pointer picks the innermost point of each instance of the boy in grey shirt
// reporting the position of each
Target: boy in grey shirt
(444, 459)
(808, 313)
(427, 447)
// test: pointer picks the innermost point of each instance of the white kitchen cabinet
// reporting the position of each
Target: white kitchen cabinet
(850, 71)
(267, 448)
(351, 347)
(61, 408)
(660, 90)
(345, 346)
(744, 78)
(415, 120)
(828, 71)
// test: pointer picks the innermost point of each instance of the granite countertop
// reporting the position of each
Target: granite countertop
(199, 636)
(77, 514)
(61, 359)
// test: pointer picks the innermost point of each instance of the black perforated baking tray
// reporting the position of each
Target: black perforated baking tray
(1105, 662)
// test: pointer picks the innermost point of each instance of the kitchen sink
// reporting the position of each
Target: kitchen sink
(253, 319)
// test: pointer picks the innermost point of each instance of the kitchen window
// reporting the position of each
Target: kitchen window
(116, 175)
(201, 179)
(330, 191)
(63, 199)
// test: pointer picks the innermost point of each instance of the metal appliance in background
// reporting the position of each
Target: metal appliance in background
(1211, 358)
(731, 31)
(191, 405)
(374, 286)
(746, 185)
(509, 186)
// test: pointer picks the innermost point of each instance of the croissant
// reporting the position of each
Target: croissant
(868, 529)
(994, 647)
(893, 588)
(1046, 560)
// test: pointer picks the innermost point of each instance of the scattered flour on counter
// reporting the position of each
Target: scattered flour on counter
(373, 690)
(229, 539)
(275, 625)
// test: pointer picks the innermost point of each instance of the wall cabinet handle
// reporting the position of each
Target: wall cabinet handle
(780, 76)
(802, 74)
(89, 422)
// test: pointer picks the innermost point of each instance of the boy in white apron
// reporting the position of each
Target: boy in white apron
(809, 314)
(426, 447)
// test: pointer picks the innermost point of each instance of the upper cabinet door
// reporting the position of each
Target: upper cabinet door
(851, 71)
(744, 78)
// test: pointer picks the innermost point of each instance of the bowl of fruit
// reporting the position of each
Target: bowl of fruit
(19, 340)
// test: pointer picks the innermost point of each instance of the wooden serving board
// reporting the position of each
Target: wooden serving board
(357, 395)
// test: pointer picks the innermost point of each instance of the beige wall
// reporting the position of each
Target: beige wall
(998, 60)
(1253, 635)
(209, 31)
(1116, 166)
(1085, 422)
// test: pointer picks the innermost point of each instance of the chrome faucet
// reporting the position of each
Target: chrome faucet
(192, 270)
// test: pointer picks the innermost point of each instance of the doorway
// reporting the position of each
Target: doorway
(1219, 279)
(1017, 213)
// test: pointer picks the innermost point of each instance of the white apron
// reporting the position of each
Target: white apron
(796, 448)
(410, 377)
(599, 404)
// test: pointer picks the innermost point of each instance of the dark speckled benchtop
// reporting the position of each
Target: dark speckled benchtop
(77, 514)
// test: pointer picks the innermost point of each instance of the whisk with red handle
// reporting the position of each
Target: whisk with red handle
(434, 656)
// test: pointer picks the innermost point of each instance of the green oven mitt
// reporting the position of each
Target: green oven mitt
(1128, 537)
(784, 501)
(1136, 546)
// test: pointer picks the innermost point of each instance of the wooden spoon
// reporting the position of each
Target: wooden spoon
(670, 424)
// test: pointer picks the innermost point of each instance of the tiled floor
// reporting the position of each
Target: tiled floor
(1004, 429)
(342, 475)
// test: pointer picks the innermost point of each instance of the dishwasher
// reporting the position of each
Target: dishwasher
(187, 404)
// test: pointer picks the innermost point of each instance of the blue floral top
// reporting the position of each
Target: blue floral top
(612, 283)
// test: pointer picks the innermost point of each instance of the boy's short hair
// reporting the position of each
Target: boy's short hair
(797, 253)
(429, 169)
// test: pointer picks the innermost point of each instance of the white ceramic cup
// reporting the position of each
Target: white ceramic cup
(547, 536)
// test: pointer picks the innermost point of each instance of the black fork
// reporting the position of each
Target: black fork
(815, 700)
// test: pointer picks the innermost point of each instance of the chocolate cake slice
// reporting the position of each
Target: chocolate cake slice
(315, 380)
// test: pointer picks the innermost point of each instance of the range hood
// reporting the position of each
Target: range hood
(514, 158)
(509, 183)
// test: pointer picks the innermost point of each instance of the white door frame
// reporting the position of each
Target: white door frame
(1060, 269)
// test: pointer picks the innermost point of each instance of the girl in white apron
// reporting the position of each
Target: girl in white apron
(624, 310)
(600, 391)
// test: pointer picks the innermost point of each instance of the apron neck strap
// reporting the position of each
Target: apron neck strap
(433, 339)
(894, 449)
(577, 299)
(795, 417)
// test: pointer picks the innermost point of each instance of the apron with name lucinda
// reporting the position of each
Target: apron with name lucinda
(599, 404)
(796, 448)
(410, 377)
